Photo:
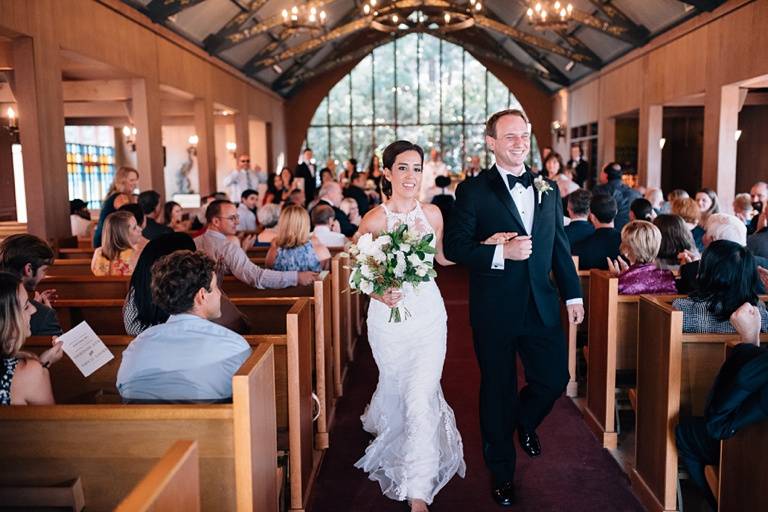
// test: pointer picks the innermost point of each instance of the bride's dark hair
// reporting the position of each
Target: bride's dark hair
(388, 160)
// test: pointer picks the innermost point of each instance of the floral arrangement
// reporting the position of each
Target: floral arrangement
(390, 260)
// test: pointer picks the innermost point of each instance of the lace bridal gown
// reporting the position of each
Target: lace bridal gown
(417, 448)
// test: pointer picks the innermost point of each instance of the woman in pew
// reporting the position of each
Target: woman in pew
(676, 238)
(119, 193)
(294, 247)
(727, 278)
(24, 378)
(121, 249)
(188, 357)
(173, 217)
(640, 242)
(140, 311)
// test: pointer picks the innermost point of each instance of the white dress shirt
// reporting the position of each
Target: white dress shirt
(238, 181)
(247, 218)
(525, 202)
(329, 238)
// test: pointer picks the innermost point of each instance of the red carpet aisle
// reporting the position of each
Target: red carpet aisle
(573, 474)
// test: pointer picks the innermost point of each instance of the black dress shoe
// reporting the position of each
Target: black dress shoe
(504, 494)
(529, 442)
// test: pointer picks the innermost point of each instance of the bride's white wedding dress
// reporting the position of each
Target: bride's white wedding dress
(417, 448)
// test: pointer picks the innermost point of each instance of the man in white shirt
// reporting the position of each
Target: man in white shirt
(189, 357)
(327, 230)
(247, 211)
(431, 170)
(223, 219)
(241, 178)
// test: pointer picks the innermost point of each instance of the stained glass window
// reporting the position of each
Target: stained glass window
(418, 88)
(90, 170)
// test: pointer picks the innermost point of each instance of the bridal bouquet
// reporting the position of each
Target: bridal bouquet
(389, 261)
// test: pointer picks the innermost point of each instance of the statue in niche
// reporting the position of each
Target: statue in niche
(183, 184)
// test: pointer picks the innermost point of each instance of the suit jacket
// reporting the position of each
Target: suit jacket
(757, 243)
(592, 251)
(346, 226)
(155, 230)
(578, 230)
(303, 171)
(582, 171)
(484, 207)
(359, 195)
(623, 195)
(44, 322)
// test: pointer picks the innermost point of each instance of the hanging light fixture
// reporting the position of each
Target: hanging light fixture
(546, 15)
(304, 17)
(129, 132)
(386, 17)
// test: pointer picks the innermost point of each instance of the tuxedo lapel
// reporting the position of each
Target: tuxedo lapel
(501, 188)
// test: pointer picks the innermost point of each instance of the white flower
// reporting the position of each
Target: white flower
(406, 248)
(415, 260)
(383, 240)
(541, 185)
(421, 271)
(366, 272)
(401, 265)
(366, 287)
(365, 244)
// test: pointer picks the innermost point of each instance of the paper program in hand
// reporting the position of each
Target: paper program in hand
(85, 348)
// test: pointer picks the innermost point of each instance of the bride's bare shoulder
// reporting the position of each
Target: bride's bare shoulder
(433, 214)
(375, 221)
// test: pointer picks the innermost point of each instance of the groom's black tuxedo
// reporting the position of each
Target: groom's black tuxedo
(515, 310)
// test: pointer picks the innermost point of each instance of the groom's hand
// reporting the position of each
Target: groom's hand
(519, 248)
(575, 313)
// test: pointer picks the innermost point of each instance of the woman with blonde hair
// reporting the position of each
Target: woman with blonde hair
(294, 247)
(124, 183)
(24, 378)
(640, 244)
(120, 252)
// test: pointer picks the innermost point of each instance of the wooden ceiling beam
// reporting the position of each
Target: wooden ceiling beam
(213, 42)
(160, 10)
(704, 5)
(631, 32)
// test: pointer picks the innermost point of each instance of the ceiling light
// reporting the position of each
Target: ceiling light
(570, 65)
(277, 69)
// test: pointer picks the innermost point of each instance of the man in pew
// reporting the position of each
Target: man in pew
(149, 202)
(578, 211)
(738, 398)
(222, 218)
(327, 230)
(331, 194)
(28, 257)
(188, 357)
(605, 241)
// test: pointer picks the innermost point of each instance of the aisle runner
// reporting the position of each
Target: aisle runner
(573, 474)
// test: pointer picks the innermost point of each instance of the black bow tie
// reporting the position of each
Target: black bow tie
(524, 179)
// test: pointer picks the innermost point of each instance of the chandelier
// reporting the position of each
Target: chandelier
(544, 15)
(304, 17)
(389, 16)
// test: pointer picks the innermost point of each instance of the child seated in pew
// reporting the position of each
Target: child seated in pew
(120, 247)
(188, 357)
(140, 311)
(738, 398)
(640, 242)
(727, 278)
(294, 247)
(24, 378)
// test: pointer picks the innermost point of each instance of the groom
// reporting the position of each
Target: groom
(514, 305)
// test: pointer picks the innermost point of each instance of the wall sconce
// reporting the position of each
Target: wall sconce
(662, 142)
(737, 135)
(558, 130)
(193, 140)
(231, 147)
(13, 127)
(129, 132)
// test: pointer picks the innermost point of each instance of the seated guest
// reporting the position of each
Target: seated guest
(80, 218)
(706, 198)
(641, 209)
(24, 378)
(268, 216)
(757, 242)
(555, 171)
(743, 210)
(759, 195)
(296, 197)
(173, 217)
(28, 257)
(656, 197)
(578, 211)
(294, 247)
(120, 246)
(349, 207)
(612, 184)
(222, 222)
(331, 194)
(640, 242)
(676, 238)
(120, 192)
(326, 175)
(595, 250)
(149, 202)
(688, 209)
(277, 189)
(356, 190)
(188, 357)
(445, 198)
(727, 278)
(739, 397)
(247, 210)
(327, 230)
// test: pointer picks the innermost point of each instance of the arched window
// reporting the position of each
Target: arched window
(418, 88)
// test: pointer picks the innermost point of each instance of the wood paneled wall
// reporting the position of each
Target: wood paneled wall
(752, 161)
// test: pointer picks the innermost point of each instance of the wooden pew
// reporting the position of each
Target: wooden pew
(743, 475)
(82, 266)
(342, 323)
(675, 372)
(112, 446)
(285, 322)
(571, 331)
(172, 484)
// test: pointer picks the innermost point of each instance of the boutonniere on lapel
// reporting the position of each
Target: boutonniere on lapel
(541, 185)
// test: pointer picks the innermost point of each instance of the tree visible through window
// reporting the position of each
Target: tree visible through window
(418, 88)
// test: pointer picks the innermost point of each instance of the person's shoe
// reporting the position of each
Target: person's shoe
(529, 442)
(504, 494)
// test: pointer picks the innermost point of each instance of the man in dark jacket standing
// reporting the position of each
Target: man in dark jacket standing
(307, 170)
(610, 177)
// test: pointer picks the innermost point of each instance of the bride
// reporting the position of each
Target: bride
(417, 448)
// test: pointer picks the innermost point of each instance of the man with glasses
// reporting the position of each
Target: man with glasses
(241, 179)
(222, 220)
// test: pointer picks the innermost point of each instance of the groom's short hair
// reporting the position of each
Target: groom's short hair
(490, 125)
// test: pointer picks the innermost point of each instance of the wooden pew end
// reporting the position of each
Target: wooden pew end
(65, 495)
